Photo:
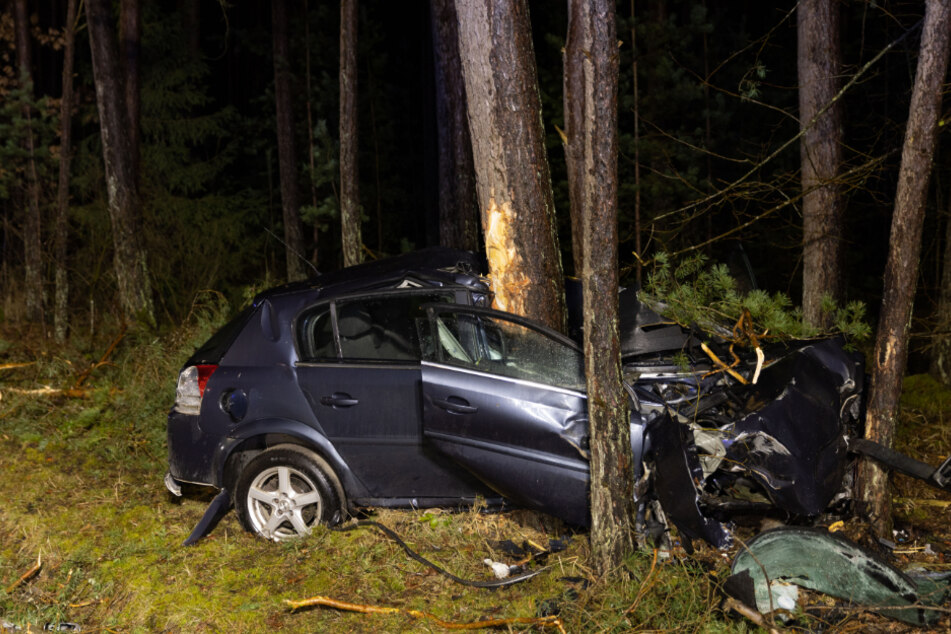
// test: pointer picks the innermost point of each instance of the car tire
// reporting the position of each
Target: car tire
(285, 491)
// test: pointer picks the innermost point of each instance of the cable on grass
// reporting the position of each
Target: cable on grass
(414, 555)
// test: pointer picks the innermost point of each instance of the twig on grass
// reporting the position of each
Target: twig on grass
(26, 576)
(544, 621)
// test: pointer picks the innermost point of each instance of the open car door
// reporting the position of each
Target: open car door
(504, 398)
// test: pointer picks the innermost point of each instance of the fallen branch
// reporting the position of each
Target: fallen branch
(102, 361)
(26, 576)
(913, 502)
(11, 366)
(46, 390)
(544, 621)
(723, 366)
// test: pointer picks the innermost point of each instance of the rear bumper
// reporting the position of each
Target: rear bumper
(190, 451)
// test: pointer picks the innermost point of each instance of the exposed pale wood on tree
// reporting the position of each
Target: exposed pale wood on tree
(458, 205)
(591, 96)
(350, 216)
(901, 271)
(286, 147)
(820, 149)
(512, 174)
(122, 192)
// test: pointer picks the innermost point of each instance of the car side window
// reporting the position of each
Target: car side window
(506, 348)
(376, 328)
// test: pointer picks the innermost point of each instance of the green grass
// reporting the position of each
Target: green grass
(81, 487)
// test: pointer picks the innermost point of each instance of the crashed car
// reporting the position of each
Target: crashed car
(393, 384)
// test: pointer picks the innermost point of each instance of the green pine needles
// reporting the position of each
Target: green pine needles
(697, 293)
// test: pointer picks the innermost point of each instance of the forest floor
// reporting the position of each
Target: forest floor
(81, 493)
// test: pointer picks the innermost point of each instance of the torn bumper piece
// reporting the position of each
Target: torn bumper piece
(765, 572)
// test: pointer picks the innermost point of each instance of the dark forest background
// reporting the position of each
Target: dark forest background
(717, 94)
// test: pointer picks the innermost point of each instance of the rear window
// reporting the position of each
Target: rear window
(212, 350)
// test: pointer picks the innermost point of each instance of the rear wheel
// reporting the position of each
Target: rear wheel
(285, 491)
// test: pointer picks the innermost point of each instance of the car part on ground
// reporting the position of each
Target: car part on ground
(770, 568)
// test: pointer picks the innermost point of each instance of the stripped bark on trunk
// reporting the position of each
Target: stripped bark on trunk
(513, 180)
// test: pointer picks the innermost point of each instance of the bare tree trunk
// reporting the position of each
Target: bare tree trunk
(132, 275)
(901, 271)
(130, 38)
(32, 242)
(458, 206)
(61, 303)
(350, 216)
(940, 367)
(820, 150)
(591, 72)
(512, 174)
(286, 148)
(637, 156)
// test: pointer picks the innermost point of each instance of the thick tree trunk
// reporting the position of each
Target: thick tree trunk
(286, 148)
(32, 226)
(820, 150)
(901, 271)
(458, 205)
(591, 95)
(61, 303)
(122, 192)
(350, 233)
(130, 38)
(512, 175)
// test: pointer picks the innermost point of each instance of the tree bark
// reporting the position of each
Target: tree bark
(32, 226)
(130, 42)
(901, 271)
(512, 175)
(940, 353)
(350, 215)
(122, 192)
(820, 150)
(458, 205)
(61, 303)
(591, 97)
(286, 148)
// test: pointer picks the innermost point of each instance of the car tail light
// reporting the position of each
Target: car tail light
(191, 387)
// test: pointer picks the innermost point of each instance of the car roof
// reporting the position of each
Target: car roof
(438, 266)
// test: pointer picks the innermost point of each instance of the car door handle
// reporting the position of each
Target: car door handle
(338, 399)
(456, 405)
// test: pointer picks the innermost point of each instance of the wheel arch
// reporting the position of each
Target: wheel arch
(251, 439)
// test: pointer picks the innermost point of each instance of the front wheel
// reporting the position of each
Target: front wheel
(282, 493)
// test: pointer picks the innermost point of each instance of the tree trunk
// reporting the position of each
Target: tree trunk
(591, 96)
(940, 367)
(458, 206)
(820, 151)
(32, 242)
(61, 303)
(286, 149)
(350, 215)
(130, 38)
(512, 175)
(901, 271)
(132, 275)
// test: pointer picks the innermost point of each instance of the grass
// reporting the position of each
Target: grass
(81, 484)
